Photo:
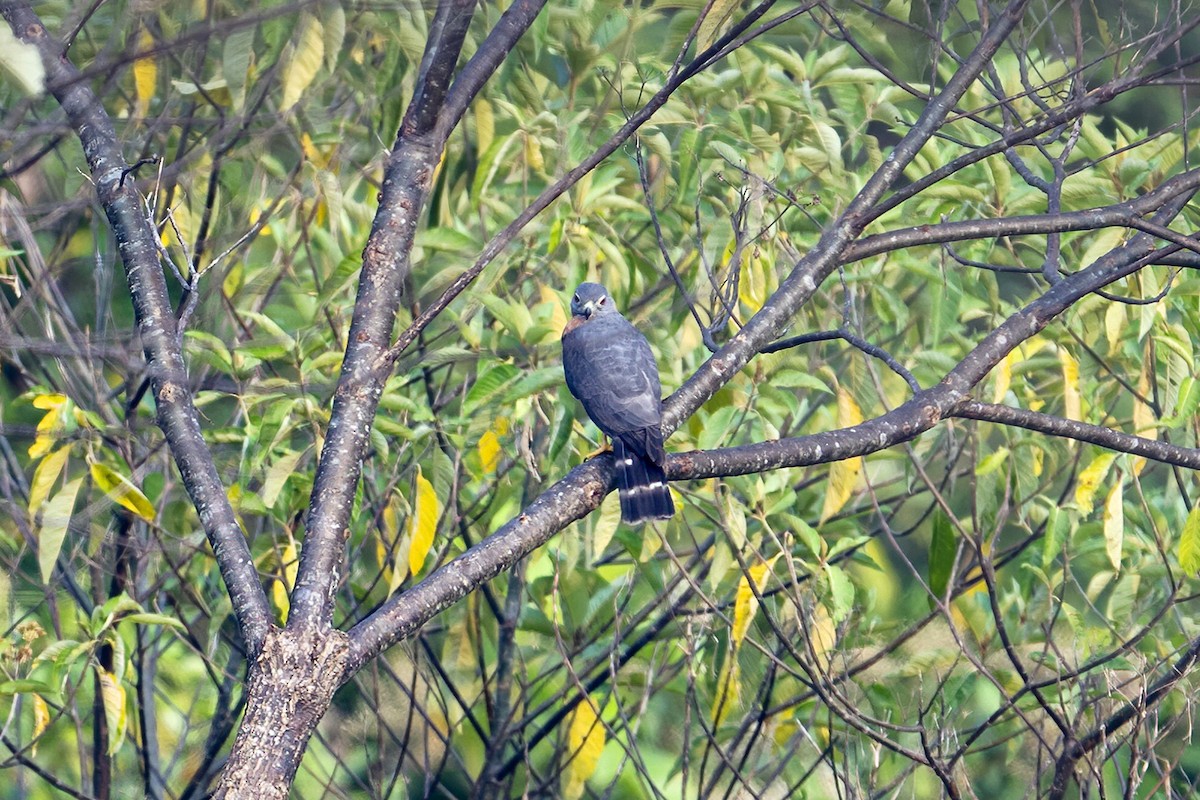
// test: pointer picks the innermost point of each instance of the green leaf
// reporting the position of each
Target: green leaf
(942, 551)
(235, 62)
(307, 55)
(56, 518)
(808, 536)
(447, 239)
(488, 384)
(149, 618)
(278, 473)
(27, 686)
(104, 616)
(841, 592)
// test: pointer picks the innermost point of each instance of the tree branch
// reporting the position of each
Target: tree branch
(1164, 452)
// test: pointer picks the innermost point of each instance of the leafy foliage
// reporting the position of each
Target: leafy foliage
(941, 616)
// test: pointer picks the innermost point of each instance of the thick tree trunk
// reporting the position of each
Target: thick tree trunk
(291, 685)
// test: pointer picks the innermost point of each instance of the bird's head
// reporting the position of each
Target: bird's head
(589, 300)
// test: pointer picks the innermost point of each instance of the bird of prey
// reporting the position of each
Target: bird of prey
(611, 371)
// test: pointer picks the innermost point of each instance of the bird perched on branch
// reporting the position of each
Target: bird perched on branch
(611, 371)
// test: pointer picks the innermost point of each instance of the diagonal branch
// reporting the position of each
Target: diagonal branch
(137, 243)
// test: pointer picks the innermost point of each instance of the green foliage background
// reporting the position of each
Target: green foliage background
(764, 149)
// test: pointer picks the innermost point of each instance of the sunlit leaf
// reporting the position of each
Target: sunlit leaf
(145, 74)
(607, 522)
(1114, 524)
(586, 737)
(56, 518)
(485, 125)
(713, 23)
(422, 524)
(1189, 543)
(822, 634)
(843, 475)
(21, 62)
(1089, 481)
(121, 491)
(489, 451)
(1144, 422)
(113, 694)
(41, 720)
(1002, 377)
(1070, 372)
(47, 473)
(745, 603)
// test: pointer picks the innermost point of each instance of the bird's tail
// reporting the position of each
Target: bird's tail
(641, 486)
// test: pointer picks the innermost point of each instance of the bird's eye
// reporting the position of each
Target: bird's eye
(575, 299)
(602, 299)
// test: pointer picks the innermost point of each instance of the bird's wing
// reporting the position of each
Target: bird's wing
(611, 369)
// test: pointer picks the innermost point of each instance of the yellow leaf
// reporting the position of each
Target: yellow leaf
(50, 424)
(180, 229)
(51, 401)
(585, 742)
(281, 588)
(1144, 422)
(1089, 482)
(1071, 399)
(45, 476)
(558, 317)
(422, 524)
(753, 289)
(1003, 378)
(21, 62)
(56, 517)
(395, 570)
(145, 74)
(729, 689)
(485, 126)
(822, 634)
(306, 59)
(489, 452)
(713, 22)
(1189, 543)
(41, 720)
(1116, 321)
(745, 603)
(843, 475)
(1114, 524)
(311, 153)
(606, 525)
(122, 491)
(113, 694)
(533, 153)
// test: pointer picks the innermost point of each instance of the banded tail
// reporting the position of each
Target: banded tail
(641, 485)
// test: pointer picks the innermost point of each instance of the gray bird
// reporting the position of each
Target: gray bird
(611, 371)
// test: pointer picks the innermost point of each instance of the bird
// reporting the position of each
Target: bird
(612, 372)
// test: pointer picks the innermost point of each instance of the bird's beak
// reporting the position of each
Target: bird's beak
(588, 308)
